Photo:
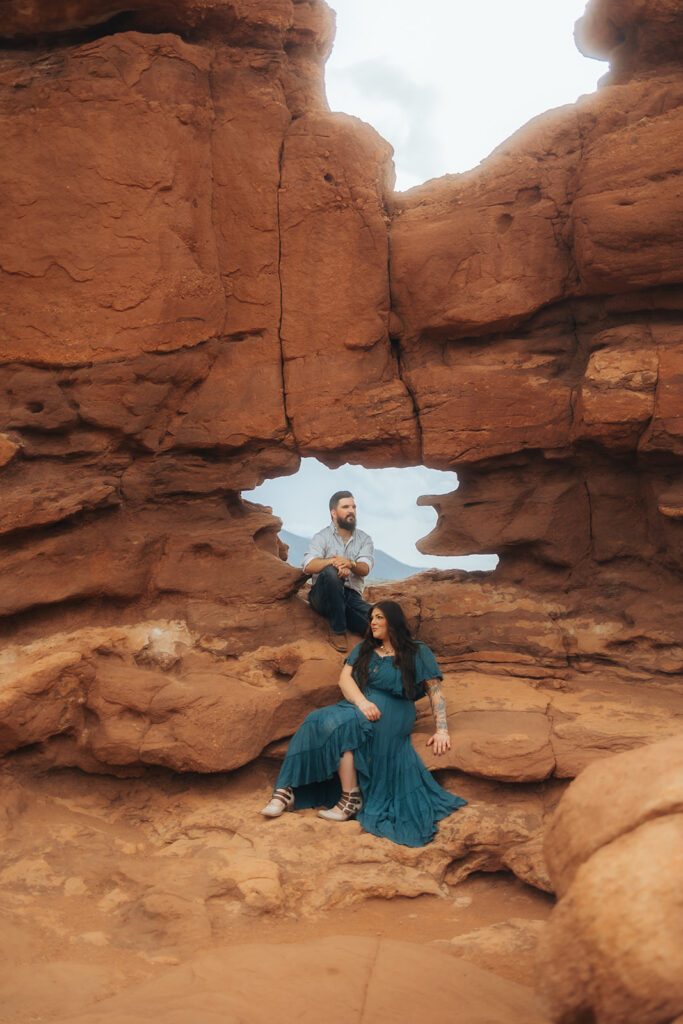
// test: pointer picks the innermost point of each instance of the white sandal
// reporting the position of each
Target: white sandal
(282, 800)
(348, 807)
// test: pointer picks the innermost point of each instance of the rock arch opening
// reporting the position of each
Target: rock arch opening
(394, 507)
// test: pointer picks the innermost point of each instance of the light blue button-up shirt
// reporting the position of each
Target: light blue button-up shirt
(328, 542)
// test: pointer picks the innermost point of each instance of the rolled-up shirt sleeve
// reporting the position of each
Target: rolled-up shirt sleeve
(366, 553)
(316, 549)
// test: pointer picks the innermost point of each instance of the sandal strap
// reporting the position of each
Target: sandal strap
(283, 794)
(350, 801)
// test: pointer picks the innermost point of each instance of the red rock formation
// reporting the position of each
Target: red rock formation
(206, 275)
(612, 950)
(634, 35)
(205, 247)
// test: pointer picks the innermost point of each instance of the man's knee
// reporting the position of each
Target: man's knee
(328, 588)
(331, 577)
(356, 602)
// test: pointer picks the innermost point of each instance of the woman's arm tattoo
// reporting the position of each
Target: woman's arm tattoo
(438, 704)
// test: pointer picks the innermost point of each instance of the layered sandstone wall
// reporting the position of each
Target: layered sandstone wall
(143, 376)
(206, 275)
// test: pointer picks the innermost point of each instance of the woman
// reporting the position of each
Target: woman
(356, 756)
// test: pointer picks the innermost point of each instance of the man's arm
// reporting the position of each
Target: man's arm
(317, 565)
(365, 559)
(316, 558)
(344, 566)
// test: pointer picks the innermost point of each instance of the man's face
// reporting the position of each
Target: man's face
(344, 515)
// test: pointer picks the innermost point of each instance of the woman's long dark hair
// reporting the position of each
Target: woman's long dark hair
(399, 638)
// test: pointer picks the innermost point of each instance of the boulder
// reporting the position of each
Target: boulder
(611, 798)
(613, 945)
(612, 948)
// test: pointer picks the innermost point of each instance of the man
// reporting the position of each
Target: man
(339, 558)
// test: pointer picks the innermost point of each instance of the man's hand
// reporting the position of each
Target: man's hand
(370, 710)
(343, 566)
(441, 742)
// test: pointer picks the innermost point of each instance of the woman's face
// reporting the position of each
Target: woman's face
(378, 625)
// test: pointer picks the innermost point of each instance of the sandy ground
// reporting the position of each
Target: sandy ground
(108, 916)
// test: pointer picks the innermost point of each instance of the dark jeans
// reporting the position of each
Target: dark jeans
(343, 607)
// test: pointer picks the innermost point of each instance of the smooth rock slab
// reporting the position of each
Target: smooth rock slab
(342, 979)
(516, 940)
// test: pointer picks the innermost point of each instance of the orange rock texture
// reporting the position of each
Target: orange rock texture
(206, 275)
(613, 948)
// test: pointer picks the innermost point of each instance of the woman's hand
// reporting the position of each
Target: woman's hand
(370, 710)
(441, 742)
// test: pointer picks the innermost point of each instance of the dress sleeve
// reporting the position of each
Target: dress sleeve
(352, 657)
(426, 667)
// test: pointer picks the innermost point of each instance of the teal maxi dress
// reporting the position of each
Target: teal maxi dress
(401, 800)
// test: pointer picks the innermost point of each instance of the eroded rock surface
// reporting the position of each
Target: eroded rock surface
(205, 275)
(170, 861)
(613, 945)
(634, 35)
(114, 699)
(122, 698)
(210, 277)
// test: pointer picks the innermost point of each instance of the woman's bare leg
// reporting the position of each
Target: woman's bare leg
(348, 776)
(350, 802)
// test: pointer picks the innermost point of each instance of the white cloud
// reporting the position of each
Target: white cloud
(475, 72)
(404, 108)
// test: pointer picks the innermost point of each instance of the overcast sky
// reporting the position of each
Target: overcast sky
(445, 82)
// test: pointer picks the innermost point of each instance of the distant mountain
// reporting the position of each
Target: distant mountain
(386, 567)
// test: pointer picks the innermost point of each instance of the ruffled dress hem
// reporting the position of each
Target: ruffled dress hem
(401, 800)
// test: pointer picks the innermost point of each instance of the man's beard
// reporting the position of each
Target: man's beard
(347, 524)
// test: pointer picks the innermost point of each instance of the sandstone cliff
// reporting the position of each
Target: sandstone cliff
(201, 264)
(205, 276)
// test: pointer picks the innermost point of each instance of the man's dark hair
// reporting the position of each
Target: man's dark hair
(337, 497)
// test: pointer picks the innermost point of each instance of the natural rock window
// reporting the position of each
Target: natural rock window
(390, 509)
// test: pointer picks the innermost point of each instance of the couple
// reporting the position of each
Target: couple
(356, 758)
